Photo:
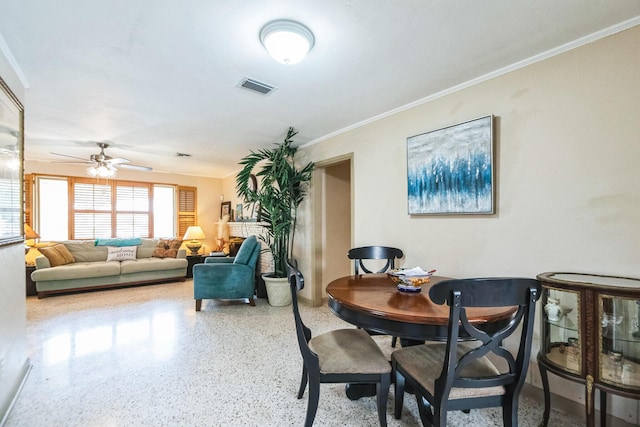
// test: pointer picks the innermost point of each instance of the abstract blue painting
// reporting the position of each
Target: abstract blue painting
(450, 170)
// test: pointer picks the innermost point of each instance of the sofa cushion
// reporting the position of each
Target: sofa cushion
(121, 253)
(86, 250)
(57, 255)
(152, 264)
(167, 248)
(78, 270)
(146, 248)
(129, 241)
(246, 249)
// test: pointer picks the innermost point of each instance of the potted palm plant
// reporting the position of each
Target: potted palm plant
(282, 187)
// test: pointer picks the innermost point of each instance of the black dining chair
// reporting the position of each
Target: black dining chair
(339, 356)
(361, 254)
(364, 253)
(457, 374)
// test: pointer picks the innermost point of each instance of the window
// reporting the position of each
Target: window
(91, 215)
(52, 208)
(164, 212)
(133, 211)
(10, 200)
(81, 208)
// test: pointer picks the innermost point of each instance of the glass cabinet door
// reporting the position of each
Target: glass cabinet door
(619, 341)
(561, 328)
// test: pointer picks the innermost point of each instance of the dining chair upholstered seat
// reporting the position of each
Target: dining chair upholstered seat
(460, 374)
(339, 356)
(362, 254)
(341, 352)
(424, 362)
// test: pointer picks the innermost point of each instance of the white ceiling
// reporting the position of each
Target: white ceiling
(157, 77)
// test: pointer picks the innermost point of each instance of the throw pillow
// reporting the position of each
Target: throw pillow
(167, 248)
(121, 253)
(57, 254)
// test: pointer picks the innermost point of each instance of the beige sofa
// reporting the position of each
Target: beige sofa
(91, 270)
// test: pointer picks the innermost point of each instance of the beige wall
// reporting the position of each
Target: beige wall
(567, 155)
(209, 191)
(14, 362)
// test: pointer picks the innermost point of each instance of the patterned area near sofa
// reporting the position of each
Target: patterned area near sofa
(94, 267)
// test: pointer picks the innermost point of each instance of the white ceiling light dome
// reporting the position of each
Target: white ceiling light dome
(287, 41)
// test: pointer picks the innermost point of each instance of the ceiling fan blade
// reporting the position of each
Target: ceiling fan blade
(64, 162)
(135, 167)
(117, 160)
(73, 157)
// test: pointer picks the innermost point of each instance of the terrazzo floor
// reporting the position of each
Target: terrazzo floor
(143, 357)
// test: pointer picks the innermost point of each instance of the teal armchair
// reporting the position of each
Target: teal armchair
(228, 278)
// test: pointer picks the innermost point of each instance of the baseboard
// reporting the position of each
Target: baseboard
(5, 411)
(569, 406)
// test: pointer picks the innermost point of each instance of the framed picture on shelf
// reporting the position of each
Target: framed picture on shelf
(239, 212)
(11, 164)
(450, 170)
(255, 213)
(225, 209)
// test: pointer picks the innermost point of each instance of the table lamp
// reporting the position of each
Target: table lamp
(30, 237)
(194, 234)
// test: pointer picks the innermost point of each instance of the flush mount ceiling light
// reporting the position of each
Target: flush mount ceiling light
(286, 41)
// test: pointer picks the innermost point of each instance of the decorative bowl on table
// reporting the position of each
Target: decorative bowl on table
(410, 280)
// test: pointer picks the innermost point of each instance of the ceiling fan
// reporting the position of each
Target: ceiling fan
(104, 165)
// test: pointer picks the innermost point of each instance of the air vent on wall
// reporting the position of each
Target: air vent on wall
(256, 86)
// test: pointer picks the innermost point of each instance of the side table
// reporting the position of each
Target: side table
(31, 285)
(193, 260)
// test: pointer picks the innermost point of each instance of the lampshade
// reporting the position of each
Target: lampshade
(29, 233)
(193, 234)
(30, 252)
(286, 41)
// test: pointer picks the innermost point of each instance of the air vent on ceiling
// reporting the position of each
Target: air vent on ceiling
(256, 86)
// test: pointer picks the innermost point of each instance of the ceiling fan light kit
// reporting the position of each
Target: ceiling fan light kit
(288, 42)
(102, 170)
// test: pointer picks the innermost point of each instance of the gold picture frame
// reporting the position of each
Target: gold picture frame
(225, 209)
(11, 167)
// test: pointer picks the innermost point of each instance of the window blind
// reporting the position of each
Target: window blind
(186, 209)
(91, 210)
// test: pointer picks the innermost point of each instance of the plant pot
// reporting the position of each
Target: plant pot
(278, 292)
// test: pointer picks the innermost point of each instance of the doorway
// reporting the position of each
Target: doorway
(333, 229)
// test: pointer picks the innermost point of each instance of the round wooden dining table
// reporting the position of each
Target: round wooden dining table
(373, 302)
